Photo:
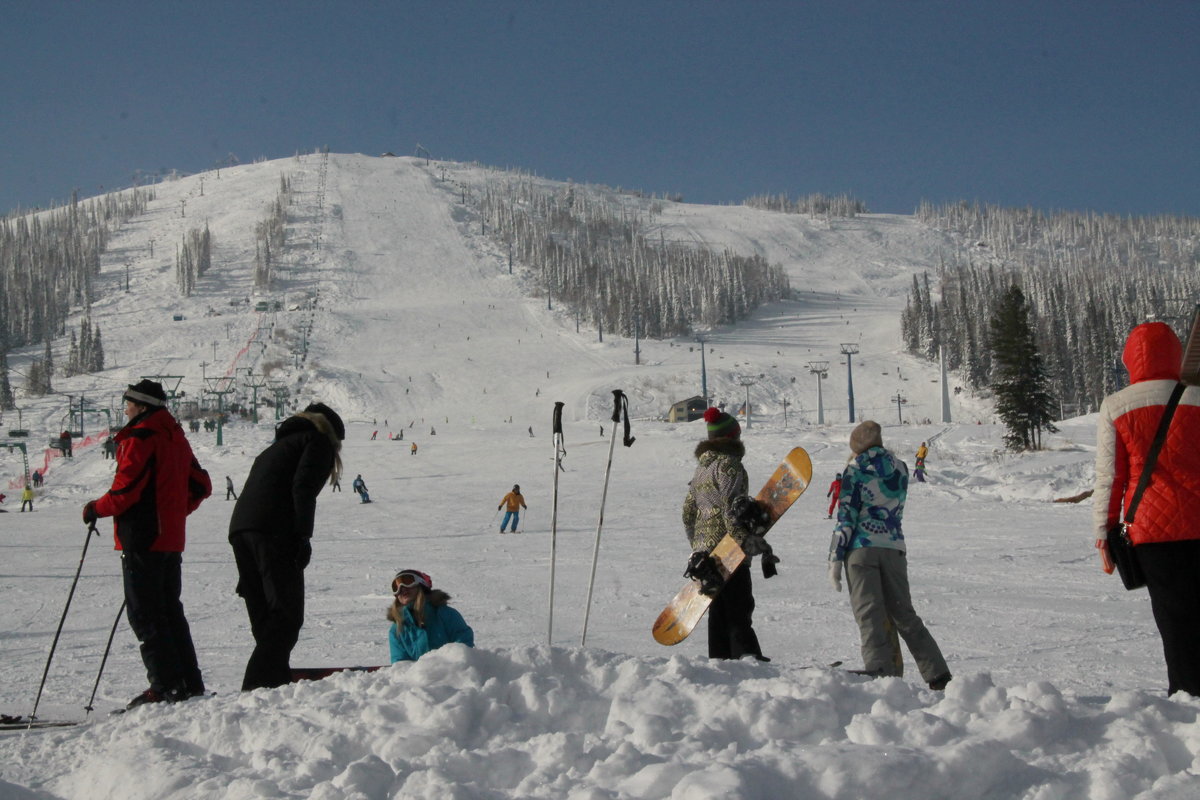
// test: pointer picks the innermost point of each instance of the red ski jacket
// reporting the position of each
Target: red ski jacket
(1128, 421)
(158, 483)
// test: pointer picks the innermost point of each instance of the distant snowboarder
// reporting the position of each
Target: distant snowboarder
(360, 487)
(919, 470)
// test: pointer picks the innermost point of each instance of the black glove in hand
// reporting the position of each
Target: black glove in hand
(303, 553)
(769, 560)
(89, 513)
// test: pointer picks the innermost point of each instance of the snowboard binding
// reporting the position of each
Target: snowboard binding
(702, 568)
(751, 515)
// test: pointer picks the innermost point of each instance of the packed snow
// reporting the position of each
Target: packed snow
(1058, 687)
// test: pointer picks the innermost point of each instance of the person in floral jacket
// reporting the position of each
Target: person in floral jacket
(868, 541)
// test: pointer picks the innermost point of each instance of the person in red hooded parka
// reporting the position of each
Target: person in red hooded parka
(157, 484)
(1165, 535)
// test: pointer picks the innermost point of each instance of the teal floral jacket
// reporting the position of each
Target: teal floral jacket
(870, 503)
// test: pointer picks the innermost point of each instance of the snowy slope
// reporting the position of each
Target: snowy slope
(419, 328)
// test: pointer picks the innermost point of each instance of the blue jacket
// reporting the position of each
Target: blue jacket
(870, 503)
(443, 624)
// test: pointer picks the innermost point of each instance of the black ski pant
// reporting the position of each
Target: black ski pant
(272, 584)
(1171, 570)
(730, 629)
(152, 586)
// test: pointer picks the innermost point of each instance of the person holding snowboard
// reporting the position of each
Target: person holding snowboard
(512, 503)
(158, 483)
(708, 516)
(1165, 536)
(271, 531)
(832, 494)
(868, 543)
(421, 619)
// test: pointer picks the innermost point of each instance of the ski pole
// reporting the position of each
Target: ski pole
(619, 400)
(492, 523)
(559, 451)
(104, 660)
(87, 538)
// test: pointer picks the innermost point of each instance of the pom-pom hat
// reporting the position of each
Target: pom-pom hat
(721, 425)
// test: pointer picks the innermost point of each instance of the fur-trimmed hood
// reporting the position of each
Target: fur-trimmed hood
(728, 447)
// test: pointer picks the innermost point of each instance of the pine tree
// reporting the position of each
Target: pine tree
(7, 402)
(1019, 378)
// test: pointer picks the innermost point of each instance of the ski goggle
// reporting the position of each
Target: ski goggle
(410, 579)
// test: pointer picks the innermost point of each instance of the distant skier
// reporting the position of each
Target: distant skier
(229, 492)
(834, 488)
(373, 435)
(919, 469)
(37, 479)
(413, 450)
(27, 497)
(360, 488)
(512, 504)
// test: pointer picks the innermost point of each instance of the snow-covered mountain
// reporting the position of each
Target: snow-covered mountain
(419, 328)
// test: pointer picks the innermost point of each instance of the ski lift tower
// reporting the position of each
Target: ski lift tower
(850, 350)
(279, 389)
(821, 370)
(10, 446)
(220, 387)
(747, 381)
(254, 383)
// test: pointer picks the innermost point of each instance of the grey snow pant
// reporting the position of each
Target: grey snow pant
(877, 579)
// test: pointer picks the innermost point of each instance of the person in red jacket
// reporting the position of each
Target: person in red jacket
(835, 489)
(157, 484)
(1165, 535)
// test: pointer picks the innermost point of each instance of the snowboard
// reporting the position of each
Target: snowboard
(317, 673)
(679, 618)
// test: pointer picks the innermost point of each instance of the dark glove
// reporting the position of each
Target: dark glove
(750, 514)
(303, 553)
(769, 560)
(89, 513)
(702, 569)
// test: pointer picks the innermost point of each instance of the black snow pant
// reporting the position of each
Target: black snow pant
(1171, 570)
(272, 584)
(152, 586)
(730, 629)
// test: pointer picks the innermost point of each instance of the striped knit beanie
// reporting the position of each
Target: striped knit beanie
(721, 425)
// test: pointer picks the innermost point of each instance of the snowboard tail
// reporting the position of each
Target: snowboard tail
(683, 613)
(317, 673)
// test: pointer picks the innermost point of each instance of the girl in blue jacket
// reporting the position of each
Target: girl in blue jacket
(421, 619)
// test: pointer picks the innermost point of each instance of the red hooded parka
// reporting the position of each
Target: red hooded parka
(1128, 421)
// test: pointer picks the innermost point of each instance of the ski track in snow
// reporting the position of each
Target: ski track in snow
(1058, 671)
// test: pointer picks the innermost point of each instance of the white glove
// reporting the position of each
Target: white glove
(835, 575)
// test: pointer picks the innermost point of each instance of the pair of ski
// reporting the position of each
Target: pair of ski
(10, 722)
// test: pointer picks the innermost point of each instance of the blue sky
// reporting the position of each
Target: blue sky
(1054, 104)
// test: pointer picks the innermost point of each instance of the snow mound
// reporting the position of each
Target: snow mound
(552, 722)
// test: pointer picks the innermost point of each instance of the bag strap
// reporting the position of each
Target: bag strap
(1159, 437)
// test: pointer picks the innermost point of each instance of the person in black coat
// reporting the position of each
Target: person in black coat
(271, 529)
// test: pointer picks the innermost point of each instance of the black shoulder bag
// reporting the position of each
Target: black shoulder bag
(1120, 548)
